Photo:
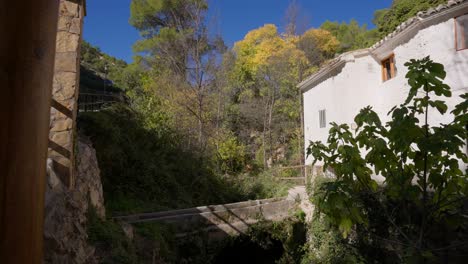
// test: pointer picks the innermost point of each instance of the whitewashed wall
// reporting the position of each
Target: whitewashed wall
(360, 84)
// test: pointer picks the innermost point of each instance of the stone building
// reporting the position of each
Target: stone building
(376, 76)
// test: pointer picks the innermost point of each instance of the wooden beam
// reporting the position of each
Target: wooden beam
(27, 50)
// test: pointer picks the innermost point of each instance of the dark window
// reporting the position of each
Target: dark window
(322, 119)
(461, 32)
(388, 68)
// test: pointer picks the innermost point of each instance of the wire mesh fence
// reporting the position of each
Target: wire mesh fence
(93, 102)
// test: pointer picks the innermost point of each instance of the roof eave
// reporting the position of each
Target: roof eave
(382, 48)
(339, 61)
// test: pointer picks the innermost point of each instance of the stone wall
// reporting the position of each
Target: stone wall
(65, 236)
(68, 197)
(65, 89)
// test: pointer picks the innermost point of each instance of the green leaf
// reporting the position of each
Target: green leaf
(440, 105)
(437, 69)
(345, 226)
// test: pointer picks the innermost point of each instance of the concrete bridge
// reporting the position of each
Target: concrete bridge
(219, 221)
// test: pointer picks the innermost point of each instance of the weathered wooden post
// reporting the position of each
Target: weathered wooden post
(28, 30)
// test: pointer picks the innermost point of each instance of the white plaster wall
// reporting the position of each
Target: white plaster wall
(360, 84)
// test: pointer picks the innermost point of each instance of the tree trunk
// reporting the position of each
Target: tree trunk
(270, 117)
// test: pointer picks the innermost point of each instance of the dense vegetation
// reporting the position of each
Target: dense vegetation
(419, 215)
(148, 169)
(94, 61)
(386, 20)
(353, 36)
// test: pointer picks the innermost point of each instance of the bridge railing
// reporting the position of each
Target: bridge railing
(299, 173)
(95, 101)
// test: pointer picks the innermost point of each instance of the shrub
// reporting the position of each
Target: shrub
(109, 239)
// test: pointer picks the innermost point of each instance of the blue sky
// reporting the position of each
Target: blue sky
(106, 24)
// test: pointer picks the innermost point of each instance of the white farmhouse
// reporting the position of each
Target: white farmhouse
(376, 76)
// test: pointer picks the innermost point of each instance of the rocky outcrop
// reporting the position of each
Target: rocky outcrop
(65, 237)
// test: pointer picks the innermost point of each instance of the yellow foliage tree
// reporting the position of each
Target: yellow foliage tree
(268, 67)
(259, 46)
(324, 41)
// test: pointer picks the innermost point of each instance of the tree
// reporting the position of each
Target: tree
(318, 45)
(177, 45)
(101, 66)
(295, 20)
(418, 213)
(386, 20)
(166, 27)
(267, 68)
(351, 36)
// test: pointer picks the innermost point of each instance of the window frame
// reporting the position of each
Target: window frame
(390, 57)
(322, 118)
(456, 33)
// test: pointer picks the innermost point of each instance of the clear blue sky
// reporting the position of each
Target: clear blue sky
(106, 24)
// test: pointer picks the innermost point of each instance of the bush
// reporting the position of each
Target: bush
(262, 185)
(109, 239)
(155, 241)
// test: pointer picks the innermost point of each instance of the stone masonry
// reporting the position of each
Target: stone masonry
(65, 89)
(66, 210)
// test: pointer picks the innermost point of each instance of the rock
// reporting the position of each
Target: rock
(62, 138)
(66, 61)
(89, 175)
(69, 9)
(75, 26)
(64, 88)
(64, 23)
(128, 230)
(62, 125)
(65, 223)
(52, 178)
(67, 41)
